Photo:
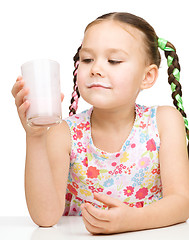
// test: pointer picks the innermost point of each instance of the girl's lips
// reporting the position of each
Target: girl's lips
(99, 85)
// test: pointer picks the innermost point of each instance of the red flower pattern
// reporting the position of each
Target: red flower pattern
(92, 172)
(141, 193)
(151, 145)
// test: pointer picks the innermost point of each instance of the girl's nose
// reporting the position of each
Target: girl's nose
(97, 69)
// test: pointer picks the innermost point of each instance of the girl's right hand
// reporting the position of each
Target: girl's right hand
(19, 93)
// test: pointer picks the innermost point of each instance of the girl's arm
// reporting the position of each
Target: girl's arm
(47, 163)
(46, 172)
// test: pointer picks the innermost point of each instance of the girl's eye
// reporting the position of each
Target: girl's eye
(87, 60)
(114, 62)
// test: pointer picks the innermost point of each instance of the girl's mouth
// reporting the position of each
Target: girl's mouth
(99, 85)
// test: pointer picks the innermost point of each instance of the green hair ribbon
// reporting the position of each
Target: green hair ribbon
(176, 73)
(169, 61)
(162, 44)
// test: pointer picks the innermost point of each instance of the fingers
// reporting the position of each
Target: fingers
(90, 228)
(107, 200)
(102, 215)
(19, 93)
(17, 86)
(22, 110)
(93, 224)
(20, 97)
(19, 78)
(62, 97)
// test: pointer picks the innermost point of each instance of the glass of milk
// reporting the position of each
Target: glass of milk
(42, 77)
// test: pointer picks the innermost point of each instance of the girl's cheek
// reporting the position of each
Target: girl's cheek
(82, 75)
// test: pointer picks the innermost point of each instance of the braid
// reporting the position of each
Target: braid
(75, 95)
(173, 79)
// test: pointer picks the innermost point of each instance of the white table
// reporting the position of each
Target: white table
(73, 228)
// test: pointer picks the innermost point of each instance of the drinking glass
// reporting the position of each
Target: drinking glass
(42, 77)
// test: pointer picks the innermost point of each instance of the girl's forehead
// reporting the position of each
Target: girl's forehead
(112, 32)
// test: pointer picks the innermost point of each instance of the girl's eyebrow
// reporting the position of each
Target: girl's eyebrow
(108, 50)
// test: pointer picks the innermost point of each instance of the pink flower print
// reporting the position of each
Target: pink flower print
(109, 193)
(75, 137)
(139, 204)
(89, 182)
(75, 177)
(154, 171)
(81, 126)
(78, 134)
(85, 162)
(92, 172)
(141, 193)
(144, 162)
(100, 189)
(73, 155)
(92, 188)
(150, 145)
(74, 209)
(151, 197)
(66, 211)
(142, 125)
(79, 199)
(75, 185)
(72, 189)
(87, 126)
(128, 191)
(68, 197)
(131, 205)
(79, 150)
(84, 149)
(114, 164)
(133, 145)
(154, 189)
(79, 144)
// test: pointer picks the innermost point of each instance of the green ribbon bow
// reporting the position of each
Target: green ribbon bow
(162, 44)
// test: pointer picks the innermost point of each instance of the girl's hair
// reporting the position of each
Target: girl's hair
(151, 44)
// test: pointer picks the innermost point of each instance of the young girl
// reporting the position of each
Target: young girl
(117, 164)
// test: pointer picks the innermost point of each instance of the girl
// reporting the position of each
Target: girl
(125, 163)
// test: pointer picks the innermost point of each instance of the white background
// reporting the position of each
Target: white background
(31, 29)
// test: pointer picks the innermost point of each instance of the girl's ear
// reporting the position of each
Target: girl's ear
(150, 77)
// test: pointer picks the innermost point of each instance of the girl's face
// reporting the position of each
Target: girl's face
(111, 65)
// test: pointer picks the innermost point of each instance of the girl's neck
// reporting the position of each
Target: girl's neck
(113, 120)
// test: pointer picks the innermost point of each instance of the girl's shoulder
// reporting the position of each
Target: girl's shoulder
(169, 117)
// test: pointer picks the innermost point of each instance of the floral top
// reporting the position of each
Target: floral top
(131, 175)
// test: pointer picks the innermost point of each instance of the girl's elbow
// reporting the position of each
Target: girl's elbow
(45, 223)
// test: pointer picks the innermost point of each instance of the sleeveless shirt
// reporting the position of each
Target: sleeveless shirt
(131, 175)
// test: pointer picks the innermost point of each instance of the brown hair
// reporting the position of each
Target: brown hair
(152, 51)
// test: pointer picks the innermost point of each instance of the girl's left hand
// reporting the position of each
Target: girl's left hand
(113, 220)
